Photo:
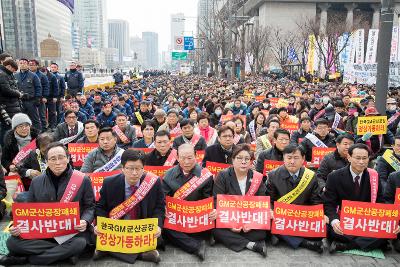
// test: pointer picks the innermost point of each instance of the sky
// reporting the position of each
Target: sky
(153, 15)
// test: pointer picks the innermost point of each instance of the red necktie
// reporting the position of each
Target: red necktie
(133, 213)
(357, 185)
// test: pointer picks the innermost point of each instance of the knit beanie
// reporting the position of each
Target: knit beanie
(19, 119)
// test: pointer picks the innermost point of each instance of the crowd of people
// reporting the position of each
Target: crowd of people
(238, 123)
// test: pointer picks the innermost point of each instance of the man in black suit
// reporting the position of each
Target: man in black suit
(351, 183)
(221, 152)
(116, 189)
(162, 144)
(71, 127)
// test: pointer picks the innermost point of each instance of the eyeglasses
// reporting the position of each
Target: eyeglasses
(128, 169)
(59, 158)
(71, 117)
(282, 140)
(24, 125)
(162, 142)
(227, 136)
(245, 159)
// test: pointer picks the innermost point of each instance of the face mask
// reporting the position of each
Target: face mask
(352, 111)
(218, 112)
(325, 100)
(392, 107)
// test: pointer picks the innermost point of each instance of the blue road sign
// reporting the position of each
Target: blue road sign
(188, 43)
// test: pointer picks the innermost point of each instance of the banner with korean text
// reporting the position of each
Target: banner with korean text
(46, 220)
(318, 153)
(397, 197)
(298, 220)
(157, 170)
(374, 124)
(290, 126)
(269, 165)
(97, 179)
(126, 236)
(216, 167)
(200, 155)
(251, 212)
(79, 152)
(188, 216)
(369, 219)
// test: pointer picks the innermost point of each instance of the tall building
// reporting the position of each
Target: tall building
(177, 27)
(28, 22)
(151, 42)
(90, 17)
(118, 37)
(138, 51)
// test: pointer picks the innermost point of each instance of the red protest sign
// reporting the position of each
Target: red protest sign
(273, 101)
(79, 152)
(45, 220)
(200, 155)
(369, 219)
(216, 167)
(188, 216)
(397, 196)
(290, 126)
(145, 150)
(158, 170)
(253, 212)
(260, 98)
(298, 220)
(318, 153)
(269, 165)
(98, 179)
(225, 118)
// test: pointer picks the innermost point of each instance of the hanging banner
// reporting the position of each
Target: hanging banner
(298, 220)
(372, 46)
(68, 3)
(374, 124)
(369, 219)
(311, 54)
(97, 179)
(79, 152)
(366, 74)
(360, 46)
(251, 212)
(188, 216)
(126, 236)
(46, 220)
(395, 44)
(353, 44)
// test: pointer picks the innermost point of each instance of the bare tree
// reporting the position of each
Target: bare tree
(282, 42)
(257, 47)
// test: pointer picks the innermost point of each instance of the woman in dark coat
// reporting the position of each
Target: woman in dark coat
(237, 180)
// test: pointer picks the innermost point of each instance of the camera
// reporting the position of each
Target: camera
(4, 115)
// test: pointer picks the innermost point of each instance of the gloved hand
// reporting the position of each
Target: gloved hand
(366, 136)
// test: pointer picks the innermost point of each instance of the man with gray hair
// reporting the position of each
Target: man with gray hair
(186, 171)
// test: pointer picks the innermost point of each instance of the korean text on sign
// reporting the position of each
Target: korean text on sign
(252, 212)
(188, 216)
(374, 124)
(97, 179)
(369, 219)
(157, 170)
(269, 165)
(290, 126)
(79, 152)
(397, 196)
(297, 220)
(318, 153)
(216, 167)
(126, 236)
(46, 220)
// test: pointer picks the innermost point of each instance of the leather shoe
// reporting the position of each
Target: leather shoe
(212, 240)
(13, 260)
(152, 256)
(261, 248)
(338, 246)
(97, 255)
(73, 260)
(201, 253)
(316, 246)
(396, 245)
(274, 240)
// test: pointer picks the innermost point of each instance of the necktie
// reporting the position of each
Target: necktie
(133, 213)
(357, 185)
(71, 132)
(294, 178)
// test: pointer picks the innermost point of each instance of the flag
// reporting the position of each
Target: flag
(292, 55)
(68, 3)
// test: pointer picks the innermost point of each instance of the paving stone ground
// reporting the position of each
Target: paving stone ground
(219, 256)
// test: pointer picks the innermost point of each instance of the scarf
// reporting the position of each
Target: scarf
(22, 141)
(205, 132)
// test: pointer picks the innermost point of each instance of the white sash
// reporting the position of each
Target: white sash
(72, 138)
(315, 140)
(112, 164)
(252, 130)
(42, 165)
(336, 120)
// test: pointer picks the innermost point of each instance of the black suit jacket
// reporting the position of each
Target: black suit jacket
(113, 193)
(215, 153)
(62, 132)
(340, 186)
(393, 183)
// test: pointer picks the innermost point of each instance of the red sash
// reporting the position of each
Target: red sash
(374, 181)
(73, 186)
(195, 139)
(171, 158)
(121, 135)
(176, 131)
(24, 152)
(210, 134)
(236, 139)
(192, 184)
(255, 183)
(146, 185)
(393, 118)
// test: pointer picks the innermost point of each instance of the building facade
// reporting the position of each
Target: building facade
(138, 51)
(118, 37)
(151, 42)
(177, 25)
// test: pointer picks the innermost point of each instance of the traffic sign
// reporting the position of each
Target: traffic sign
(179, 55)
(188, 43)
(178, 44)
